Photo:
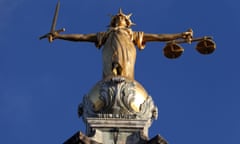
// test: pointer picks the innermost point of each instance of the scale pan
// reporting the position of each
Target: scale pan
(206, 46)
(172, 50)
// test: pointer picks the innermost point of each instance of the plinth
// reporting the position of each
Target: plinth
(117, 110)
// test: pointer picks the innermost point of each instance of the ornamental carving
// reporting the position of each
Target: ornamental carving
(118, 98)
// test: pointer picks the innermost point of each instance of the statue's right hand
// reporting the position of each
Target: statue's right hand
(55, 34)
(52, 36)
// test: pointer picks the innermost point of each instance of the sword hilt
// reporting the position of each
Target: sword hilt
(50, 35)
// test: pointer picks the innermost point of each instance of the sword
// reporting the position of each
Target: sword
(54, 22)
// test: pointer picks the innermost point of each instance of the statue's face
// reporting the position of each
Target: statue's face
(120, 21)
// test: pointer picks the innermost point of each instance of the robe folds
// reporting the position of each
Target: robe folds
(119, 48)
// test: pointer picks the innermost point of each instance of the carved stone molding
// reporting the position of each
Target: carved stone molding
(118, 98)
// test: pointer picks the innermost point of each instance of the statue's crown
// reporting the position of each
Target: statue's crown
(127, 18)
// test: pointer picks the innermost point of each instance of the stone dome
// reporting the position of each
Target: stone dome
(118, 96)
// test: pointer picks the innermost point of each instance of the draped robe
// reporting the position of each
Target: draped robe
(119, 48)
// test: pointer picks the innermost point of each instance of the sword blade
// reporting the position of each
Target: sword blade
(54, 22)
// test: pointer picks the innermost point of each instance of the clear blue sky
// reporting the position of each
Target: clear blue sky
(41, 84)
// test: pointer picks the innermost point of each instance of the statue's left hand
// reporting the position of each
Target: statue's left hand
(188, 35)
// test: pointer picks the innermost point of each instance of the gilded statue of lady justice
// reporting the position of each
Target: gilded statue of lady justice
(118, 44)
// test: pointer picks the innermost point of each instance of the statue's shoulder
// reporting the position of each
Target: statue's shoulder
(101, 38)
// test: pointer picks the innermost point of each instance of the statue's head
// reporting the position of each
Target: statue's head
(121, 20)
